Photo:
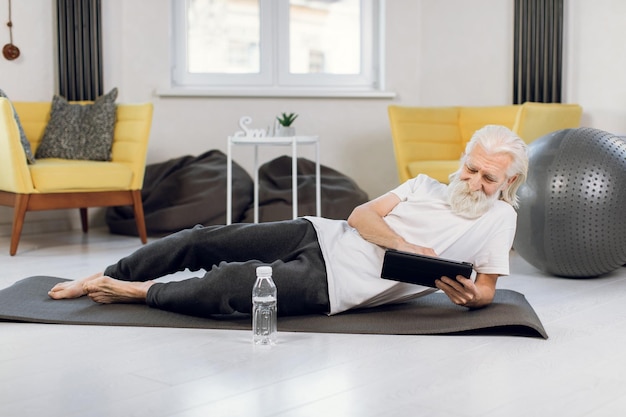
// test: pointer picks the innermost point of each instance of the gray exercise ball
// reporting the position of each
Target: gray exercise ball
(572, 221)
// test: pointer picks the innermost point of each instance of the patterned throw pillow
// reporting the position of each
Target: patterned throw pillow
(80, 131)
(25, 143)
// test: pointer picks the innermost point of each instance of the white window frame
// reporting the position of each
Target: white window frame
(274, 79)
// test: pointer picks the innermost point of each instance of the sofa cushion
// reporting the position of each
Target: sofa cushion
(61, 175)
(439, 170)
(473, 118)
(80, 131)
(25, 143)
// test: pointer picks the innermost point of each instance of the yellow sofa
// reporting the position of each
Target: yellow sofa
(61, 184)
(431, 140)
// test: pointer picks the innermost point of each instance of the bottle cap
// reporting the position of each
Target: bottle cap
(264, 270)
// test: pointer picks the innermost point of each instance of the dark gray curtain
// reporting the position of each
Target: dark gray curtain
(80, 49)
(538, 49)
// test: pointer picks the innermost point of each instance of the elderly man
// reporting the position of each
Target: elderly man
(329, 266)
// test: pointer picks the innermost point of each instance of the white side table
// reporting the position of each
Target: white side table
(292, 141)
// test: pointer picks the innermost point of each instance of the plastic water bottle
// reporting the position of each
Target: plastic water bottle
(264, 317)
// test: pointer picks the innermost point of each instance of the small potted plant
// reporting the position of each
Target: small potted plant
(284, 127)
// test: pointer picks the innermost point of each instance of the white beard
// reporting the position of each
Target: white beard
(466, 203)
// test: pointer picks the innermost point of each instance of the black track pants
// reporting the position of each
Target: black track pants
(230, 255)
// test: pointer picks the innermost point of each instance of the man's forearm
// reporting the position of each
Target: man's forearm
(374, 229)
(368, 220)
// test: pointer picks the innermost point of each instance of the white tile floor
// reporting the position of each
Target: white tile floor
(67, 371)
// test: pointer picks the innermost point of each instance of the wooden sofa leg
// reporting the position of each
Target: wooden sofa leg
(139, 216)
(84, 221)
(19, 212)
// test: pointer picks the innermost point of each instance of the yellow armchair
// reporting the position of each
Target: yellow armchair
(431, 140)
(53, 183)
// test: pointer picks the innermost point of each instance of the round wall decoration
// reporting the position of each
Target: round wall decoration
(10, 51)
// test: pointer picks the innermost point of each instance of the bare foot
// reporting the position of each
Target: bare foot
(71, 289)
(107, 290)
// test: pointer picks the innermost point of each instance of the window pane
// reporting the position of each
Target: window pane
(324, 36)
(223, 36)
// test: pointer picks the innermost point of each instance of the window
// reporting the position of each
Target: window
(278, 47)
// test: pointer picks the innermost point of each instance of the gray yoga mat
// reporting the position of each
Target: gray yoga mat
(509, 314)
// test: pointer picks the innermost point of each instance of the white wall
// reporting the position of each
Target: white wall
(595, 62)
(452, 52)
(32, 75)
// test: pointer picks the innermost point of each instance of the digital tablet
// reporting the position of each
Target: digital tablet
(421, 269)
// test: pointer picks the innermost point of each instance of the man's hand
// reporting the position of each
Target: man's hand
(462, 291)
(420, 250)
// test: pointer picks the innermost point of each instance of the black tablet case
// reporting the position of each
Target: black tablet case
(421, 269)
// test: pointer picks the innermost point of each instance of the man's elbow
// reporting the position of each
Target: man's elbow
(355, 216)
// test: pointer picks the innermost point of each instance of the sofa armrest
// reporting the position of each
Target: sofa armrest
(535, 120)
(130, 138)
(14, 173)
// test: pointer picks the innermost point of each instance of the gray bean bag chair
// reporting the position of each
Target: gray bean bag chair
(340, 194)
(182, 192)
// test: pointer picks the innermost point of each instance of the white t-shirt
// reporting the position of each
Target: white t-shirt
(423, 217)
